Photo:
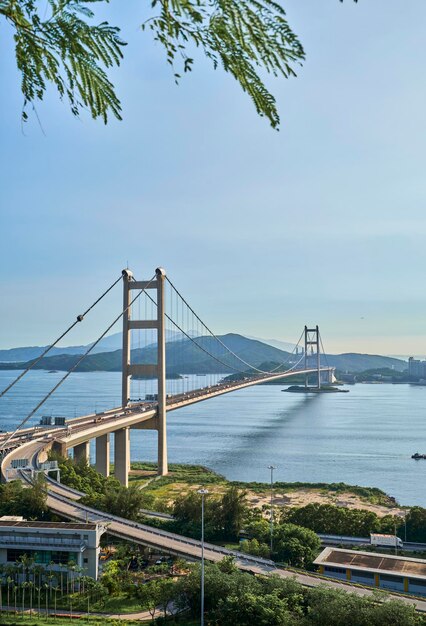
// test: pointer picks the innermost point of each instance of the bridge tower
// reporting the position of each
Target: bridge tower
(157, 370)
(312, 340)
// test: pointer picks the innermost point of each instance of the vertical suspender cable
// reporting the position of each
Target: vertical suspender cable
(52, 345)
(63, 379)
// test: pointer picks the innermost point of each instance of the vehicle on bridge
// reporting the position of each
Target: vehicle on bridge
(377, 539)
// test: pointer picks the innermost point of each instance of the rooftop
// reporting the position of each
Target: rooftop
(372, 562)
(51, 525)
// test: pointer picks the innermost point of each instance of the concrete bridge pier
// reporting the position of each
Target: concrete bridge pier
(82, 452)
(128, 457)
(103, 454)
(122, 455)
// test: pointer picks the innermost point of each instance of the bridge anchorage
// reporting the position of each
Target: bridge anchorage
(156, 309)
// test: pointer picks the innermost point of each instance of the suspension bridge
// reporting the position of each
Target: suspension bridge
(157, 309)
(165, 324)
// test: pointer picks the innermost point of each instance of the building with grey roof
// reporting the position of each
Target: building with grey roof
(396, 573)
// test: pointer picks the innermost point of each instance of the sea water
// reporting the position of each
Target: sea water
(364, 437)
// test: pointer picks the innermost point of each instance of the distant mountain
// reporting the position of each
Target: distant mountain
(15, 355)
(107, 344)
(354, 362)
(184, 357)
(281, 345)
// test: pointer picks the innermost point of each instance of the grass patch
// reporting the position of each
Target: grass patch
(368, 494)
(180, 480)
(183, 478)
(192, 474)
(120, 603)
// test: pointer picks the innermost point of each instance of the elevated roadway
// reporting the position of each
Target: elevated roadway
(141, 415)
(60, 502)
(64, 502)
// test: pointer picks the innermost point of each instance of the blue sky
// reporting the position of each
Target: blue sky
(263, 231)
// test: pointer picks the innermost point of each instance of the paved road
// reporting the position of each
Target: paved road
(336, 540)
(60, 502)
(190, 548)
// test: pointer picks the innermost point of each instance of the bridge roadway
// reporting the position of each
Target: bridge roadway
(66, 507)
(63, 501)
(82, 429)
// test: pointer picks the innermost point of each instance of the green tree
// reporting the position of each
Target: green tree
(395, 613)
(223, 517)
(254, 547)
(150, 596)
(259, 529)
(220, 581)
(166, 593)
(296, 545)
(416, 524)
(248, 609)
(234, 510)
(335, 608)
(61, 44)
(31, 502)
(115, 576)
(124, 501)
(187, 513)
(326, 518)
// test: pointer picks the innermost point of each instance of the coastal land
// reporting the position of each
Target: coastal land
(183, 479)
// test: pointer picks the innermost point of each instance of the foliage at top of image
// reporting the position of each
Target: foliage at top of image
(65, 49)
(60, 44)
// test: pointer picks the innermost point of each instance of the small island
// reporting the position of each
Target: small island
(324, 389)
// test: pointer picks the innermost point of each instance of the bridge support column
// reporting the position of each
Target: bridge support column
(312, 340)
(82, 452)
(122, 455)
(102, 455)
(128, 464)
(127, 299)
(163, 468)
(156, 370)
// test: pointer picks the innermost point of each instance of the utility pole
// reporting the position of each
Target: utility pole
(272, 468)
(202, 492)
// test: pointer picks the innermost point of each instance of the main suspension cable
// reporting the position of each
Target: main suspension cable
(212, 333)
(290, 355)
(324, 352)
(253, 367)
(52, 345)
(195, 342)
(239, 371)
(63, 379)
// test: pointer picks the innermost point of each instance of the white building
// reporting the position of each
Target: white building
(416, 368)
(51, 542)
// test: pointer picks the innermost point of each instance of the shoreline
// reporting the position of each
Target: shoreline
(184, 478)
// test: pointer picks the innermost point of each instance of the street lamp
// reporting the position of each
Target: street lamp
(202, 492)
(272, 467)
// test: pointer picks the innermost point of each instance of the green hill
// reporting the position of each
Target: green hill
(184, 357)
